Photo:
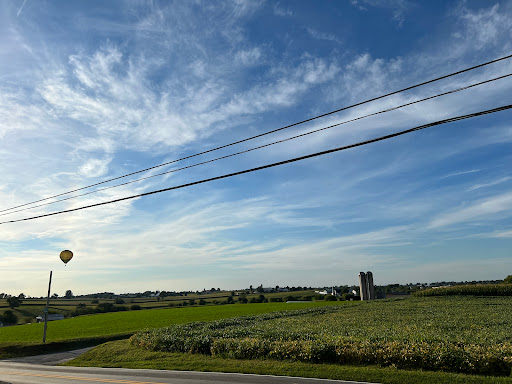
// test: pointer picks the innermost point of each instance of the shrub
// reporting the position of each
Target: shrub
(9, 318)
(95, 301)
(330, 298)
(347, 296)
(242, 300)
(135, 307)
(276, 299)
(119, 301)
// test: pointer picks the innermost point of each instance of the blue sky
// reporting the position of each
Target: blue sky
(91, 90)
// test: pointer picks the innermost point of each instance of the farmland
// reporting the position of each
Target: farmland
(30, 308)
(126, 323)
(457, 334)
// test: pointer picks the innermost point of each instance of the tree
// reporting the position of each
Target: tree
(13, 301)
(508, 279)
(9, 318)
(21, 296)
(68, 294)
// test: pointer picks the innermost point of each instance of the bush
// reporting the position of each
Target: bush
(276, 299)
(242, 300)
(330, 298)
(82, 309)
(9, 318)
(347, 296)
(95, 301)
(202, 302)
(508, 279)
(119, 301)
(135, 307)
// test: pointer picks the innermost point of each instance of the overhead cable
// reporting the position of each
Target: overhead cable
(261, 146)
(266, 133)
(337, 149)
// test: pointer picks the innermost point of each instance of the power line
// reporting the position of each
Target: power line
(267, 133)
(361, 143)
(263, 146)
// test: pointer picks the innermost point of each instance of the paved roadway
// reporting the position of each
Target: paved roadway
(26, 373)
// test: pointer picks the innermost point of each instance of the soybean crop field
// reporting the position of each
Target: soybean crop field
(456, 334)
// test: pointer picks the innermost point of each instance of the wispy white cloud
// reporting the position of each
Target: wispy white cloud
(280, 11)
(322, 35)
(461, 173)
(482, 209)
(490, 184)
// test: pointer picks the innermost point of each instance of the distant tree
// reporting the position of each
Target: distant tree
(68, 294)
(508, 279)
(135, 307)
(21, 296)
(95, 301)
(260, 289)
(119, 301)
(276, 299)
(242, 300)
(202, 302)
(9, 318)
(213, 289)
(230, 300)
(55, 296)
(262, 299)
(330, 298)
(347, 296)
(192, 302)
(13, 301)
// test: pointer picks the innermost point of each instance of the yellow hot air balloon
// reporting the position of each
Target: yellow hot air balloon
(66, 255)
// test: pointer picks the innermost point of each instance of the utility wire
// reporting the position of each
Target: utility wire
(262, 146)
(269, 132)
(361, 143)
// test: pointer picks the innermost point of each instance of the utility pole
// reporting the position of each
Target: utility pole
(46, 309)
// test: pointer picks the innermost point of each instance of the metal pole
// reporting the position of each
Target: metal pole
(46, 309)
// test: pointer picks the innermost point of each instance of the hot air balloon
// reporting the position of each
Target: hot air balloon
(66, 255)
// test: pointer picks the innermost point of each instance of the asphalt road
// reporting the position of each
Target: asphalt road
(26, 373)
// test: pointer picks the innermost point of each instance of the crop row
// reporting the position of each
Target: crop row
(470, 336)
(469, 290)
